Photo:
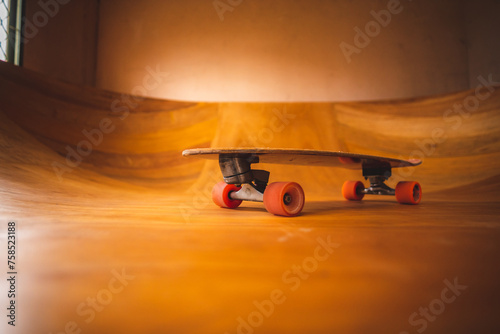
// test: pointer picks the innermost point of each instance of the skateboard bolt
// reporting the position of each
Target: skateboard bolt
(416, 193)
(287, 199)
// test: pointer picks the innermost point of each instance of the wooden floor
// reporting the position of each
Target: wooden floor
(126, 239)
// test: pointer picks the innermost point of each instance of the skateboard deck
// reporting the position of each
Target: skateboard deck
(242, 183)
(302, 157)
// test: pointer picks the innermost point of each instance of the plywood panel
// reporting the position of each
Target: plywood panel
(129, 241)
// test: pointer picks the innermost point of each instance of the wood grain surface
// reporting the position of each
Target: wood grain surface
(117, 232)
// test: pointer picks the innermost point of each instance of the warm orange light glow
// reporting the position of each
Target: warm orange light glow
(291, 51)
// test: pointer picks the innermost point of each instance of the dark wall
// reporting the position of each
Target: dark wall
(61, 39)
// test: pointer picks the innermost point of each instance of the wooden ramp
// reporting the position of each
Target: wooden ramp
(117, 233)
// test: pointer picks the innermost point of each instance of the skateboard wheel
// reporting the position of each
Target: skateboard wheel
(349, 161)
(353, 190)
(408, 192)
(284, 198)
(220, 195)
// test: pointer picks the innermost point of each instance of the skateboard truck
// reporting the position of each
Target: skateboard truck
(238, 171)
(378, 186)
(377, 175)
(242, 183)
(377, 172)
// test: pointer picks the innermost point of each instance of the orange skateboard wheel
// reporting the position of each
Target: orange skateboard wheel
(408, 192)
(352, 190)
(220, 195)
(349, 161)
(284, 198)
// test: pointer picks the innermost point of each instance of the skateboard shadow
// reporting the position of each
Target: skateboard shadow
(372, 206)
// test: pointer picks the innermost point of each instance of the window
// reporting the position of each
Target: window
(4, 28)
(10, 30)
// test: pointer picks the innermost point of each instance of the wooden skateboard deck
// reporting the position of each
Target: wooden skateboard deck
(242, 183)
(302, 157)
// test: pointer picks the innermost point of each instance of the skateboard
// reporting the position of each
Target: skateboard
(243, 183)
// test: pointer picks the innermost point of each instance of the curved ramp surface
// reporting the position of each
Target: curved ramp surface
(117, 233)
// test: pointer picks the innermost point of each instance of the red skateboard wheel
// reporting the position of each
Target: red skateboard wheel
(284, 198)
(352, 190)
(408, 192)
(220, 195)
